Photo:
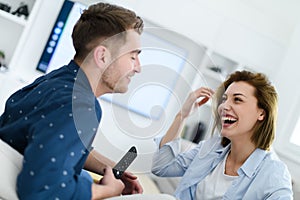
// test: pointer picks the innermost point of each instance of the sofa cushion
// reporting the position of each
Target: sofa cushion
(11, 164)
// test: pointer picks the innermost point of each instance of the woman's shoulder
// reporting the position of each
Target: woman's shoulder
(272, 159)
(275, 167)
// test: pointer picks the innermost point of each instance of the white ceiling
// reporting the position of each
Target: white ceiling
(284, 9)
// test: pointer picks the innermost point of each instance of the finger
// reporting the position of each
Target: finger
(203, 101)
(107, 171)
(203, 92)
(134, 192)
(139, 190)
(130, 175)
(208, 91)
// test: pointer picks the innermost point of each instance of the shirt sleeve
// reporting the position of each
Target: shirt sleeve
(278, 184)
(169, 162)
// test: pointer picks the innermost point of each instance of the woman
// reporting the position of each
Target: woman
(238, 162)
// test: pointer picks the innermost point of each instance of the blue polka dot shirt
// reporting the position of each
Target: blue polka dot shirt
(52, 122)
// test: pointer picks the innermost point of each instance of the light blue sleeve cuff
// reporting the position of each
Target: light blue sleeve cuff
(173, 145)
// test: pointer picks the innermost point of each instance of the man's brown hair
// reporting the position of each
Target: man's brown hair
(99, 22)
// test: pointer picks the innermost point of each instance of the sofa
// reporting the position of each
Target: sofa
(11, 163)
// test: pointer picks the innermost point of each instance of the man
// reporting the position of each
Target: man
(53, 121)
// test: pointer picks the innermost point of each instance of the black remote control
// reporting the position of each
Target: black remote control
(124, 163)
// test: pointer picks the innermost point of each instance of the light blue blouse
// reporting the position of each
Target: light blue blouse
(262, 176)
(52, 122)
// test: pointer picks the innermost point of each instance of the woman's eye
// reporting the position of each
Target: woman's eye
(223, 99)
(237, 99)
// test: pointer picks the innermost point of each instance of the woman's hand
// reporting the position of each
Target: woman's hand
(203, 94)
(132, 185)
(191, 102)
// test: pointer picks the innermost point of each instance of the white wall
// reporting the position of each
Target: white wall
(287, 81)
(232, 28)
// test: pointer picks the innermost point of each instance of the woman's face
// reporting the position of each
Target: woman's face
(239, 112)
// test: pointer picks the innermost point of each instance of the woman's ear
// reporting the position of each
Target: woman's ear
(261, 115)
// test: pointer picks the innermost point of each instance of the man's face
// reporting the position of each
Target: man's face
(124, 65)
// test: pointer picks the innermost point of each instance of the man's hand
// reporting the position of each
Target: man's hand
(114, 185)
(132, 185)
(108, 186)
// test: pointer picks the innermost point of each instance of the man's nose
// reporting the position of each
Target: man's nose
(137, 65)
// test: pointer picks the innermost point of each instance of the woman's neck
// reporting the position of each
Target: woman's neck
(237, 156)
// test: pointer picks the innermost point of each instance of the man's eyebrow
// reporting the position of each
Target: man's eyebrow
(138, 51)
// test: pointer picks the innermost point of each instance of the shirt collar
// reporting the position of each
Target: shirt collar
(73, 66)
(252, 163)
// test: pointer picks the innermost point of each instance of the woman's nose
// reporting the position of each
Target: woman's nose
(226, 105)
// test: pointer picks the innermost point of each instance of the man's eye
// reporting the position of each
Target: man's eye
(133, 57)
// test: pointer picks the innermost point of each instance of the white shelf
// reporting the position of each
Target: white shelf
(13, 18)
(15, 27)
(211, 74)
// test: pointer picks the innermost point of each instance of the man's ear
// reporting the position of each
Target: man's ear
(261, 115)
(100, 55)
